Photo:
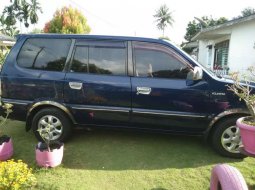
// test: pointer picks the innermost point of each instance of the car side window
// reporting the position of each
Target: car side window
(155, 60)
(44, 54)
(100, 58)
(80, 60)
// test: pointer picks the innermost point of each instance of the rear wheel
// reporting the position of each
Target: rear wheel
(226, 138)
(52, 122)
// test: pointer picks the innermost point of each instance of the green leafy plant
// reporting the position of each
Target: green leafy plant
(3, 55)
(46, 135)
(244, 90)
(8, 109)
(16, 175)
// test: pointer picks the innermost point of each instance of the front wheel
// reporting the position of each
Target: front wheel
(226, 139)
(52, 122)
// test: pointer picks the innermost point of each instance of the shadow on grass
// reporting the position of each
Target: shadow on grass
(121, 150)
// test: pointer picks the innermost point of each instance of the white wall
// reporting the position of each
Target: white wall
(242, 47)
(202, 52)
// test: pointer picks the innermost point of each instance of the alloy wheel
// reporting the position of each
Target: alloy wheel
(231, 139)
(51, 127)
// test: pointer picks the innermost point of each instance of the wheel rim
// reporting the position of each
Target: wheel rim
(51, 127)
(231, 139)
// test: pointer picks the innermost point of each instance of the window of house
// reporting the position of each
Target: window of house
(154, 60)
(100, 58)
(221, 55)
(44, 54)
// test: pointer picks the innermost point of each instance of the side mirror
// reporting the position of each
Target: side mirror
(197, 73)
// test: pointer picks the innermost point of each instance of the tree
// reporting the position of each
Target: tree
(22, 13)
(247, 11)
(36, 31)
(163, 18)
(192, 29)
(67, 21)
(8, 22)
(164, 38)
(197, 24)
(19, 10)
(34, 8)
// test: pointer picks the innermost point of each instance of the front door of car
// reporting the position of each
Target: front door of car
(161, 97)
(97, 88)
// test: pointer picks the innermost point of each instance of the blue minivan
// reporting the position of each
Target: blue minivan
(60, 82)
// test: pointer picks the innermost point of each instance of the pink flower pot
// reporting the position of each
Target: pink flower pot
(247, 133)
(51, 158)
(6, 150)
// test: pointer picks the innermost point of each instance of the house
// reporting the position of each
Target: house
(6, 40)
(5, 44)
(229, 46)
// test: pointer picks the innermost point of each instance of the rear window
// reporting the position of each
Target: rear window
(44, 54)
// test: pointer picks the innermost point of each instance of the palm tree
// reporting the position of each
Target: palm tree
(23, 13)
(34, 8)
(163, 18)
(27, 11)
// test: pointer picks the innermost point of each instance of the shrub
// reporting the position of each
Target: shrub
(3, 119)
(16, 176)
(3, 55)
(244, 89)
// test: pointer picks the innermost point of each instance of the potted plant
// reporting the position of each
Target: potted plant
(6, 146)
(48, 153)
(246, 91)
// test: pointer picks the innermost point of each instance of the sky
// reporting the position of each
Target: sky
(135, 17)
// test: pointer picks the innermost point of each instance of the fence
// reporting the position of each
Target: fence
(221, 72)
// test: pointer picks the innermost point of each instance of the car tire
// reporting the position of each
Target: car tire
(226, 138)
(60, 125)
(225, 177)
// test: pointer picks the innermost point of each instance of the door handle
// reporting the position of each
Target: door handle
(75, 85)
(143, 90)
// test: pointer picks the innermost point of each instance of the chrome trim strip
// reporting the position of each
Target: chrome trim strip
(101, 109)
(19, 102)
(170, 114)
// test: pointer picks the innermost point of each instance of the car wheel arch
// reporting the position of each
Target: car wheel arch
(223, 116)
(46, 104)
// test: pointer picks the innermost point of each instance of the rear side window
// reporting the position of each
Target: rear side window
(44, 54)
(100, 58)
(80, 60)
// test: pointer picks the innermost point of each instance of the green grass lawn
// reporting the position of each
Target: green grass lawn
(124, 160)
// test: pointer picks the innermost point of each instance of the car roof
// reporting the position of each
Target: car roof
(102, 37)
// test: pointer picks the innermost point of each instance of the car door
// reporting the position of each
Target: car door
(97, 88)
(161, 97)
